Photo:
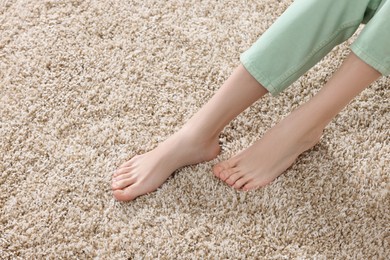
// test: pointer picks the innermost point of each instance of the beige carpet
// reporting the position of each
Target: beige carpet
(85, 85)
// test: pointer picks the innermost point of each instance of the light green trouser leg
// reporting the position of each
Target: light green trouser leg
(303, 35)
(373, 44)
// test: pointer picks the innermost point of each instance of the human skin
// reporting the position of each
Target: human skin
(262, 162)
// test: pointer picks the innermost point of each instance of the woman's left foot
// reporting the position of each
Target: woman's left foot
(270, 156)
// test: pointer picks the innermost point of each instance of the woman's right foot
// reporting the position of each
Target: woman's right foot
(145, 173)
(196, 142)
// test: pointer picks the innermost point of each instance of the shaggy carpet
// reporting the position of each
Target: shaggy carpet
(86, 85)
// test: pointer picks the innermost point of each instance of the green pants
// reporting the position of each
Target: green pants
(309, 29)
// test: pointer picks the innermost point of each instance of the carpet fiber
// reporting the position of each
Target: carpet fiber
(86, 85)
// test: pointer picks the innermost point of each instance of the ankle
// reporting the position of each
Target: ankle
(198, 134)
(312, 136)
(200, 147)
(307, 133)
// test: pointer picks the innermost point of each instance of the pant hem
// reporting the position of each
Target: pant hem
(370, 59)
(260, 77)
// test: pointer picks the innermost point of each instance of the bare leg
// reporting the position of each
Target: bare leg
(269, 157)
(196, 142)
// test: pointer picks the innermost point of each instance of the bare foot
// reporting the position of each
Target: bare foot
(269, 157)
(145, 173)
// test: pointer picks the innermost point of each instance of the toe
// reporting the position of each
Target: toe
(123, 195)
(240, 183)
(225, 174)
(128, 194)
(252, 185)
(233, 178)
(126, 164)
(123, 183)
(129, 162)
(222, 166)
(217, 169)
(121, 177)
(121, 171)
